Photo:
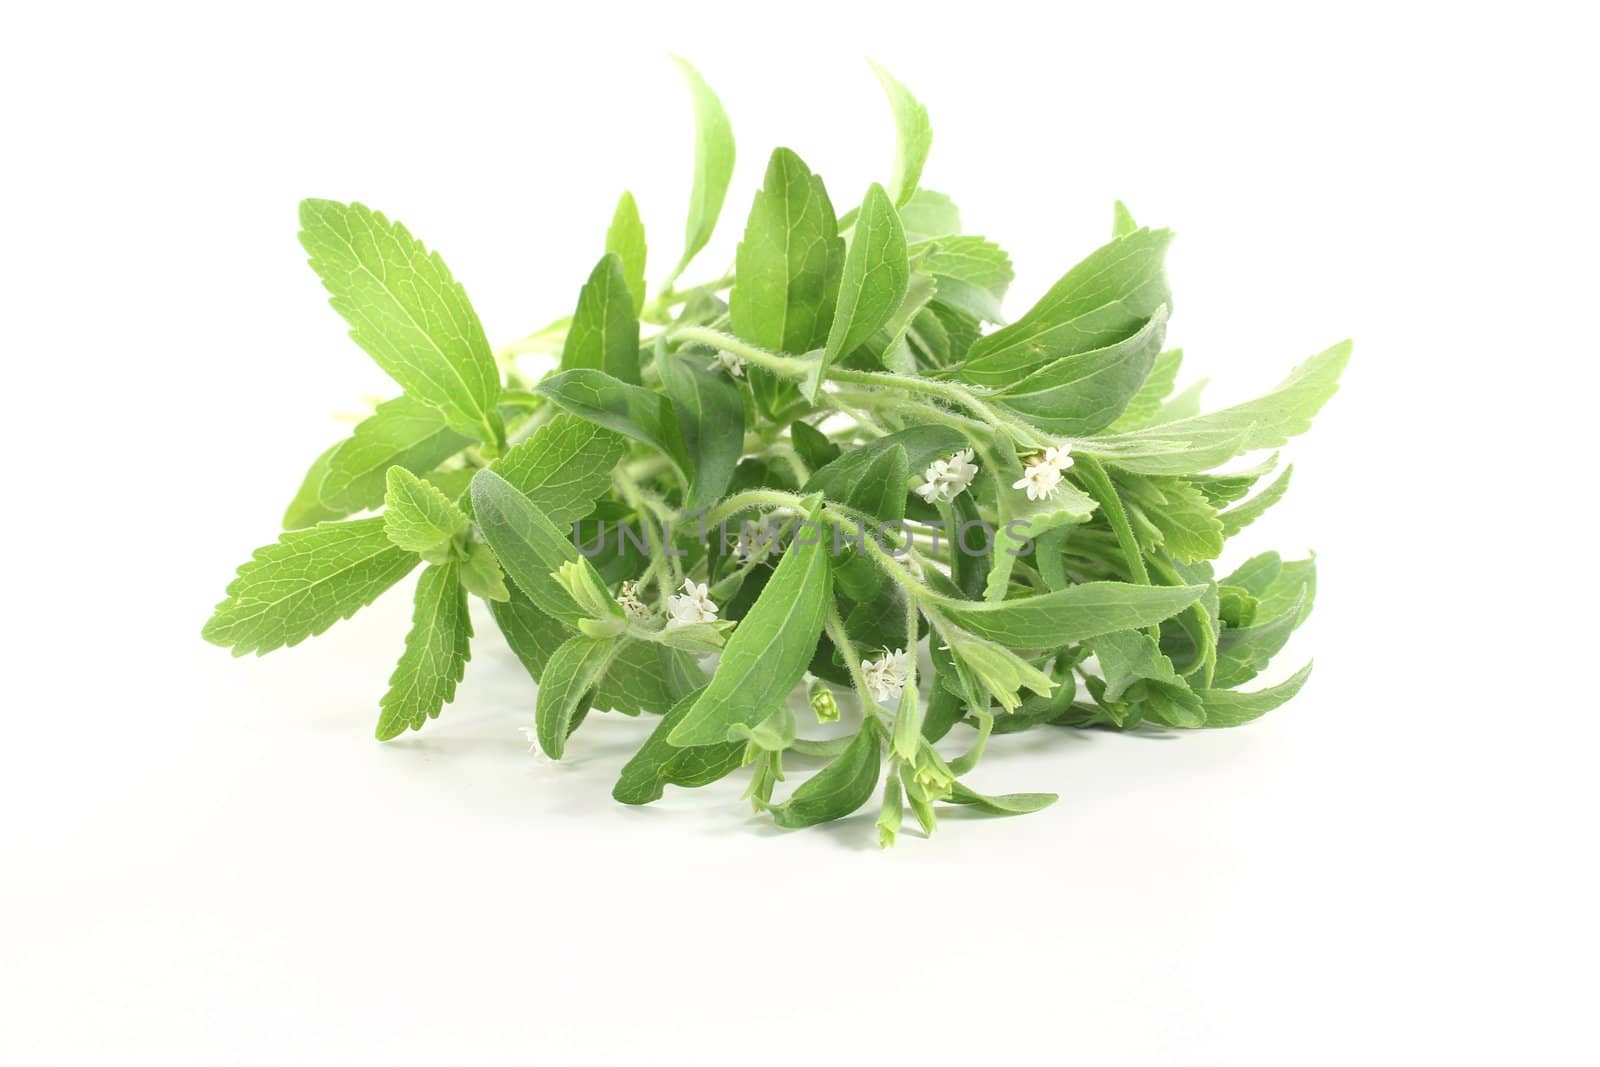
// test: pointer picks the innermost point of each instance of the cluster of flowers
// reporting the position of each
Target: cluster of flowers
(946, 478)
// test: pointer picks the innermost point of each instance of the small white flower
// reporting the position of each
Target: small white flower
(753, 537)
(628, 597)
(1041, 480)
(946, 478)
(1058, 457)
(886, 675)
(731, 363)
(530, 735)
(692, 605)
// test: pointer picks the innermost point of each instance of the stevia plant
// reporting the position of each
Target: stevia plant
(808, 466)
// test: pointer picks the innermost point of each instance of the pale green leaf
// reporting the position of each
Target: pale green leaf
(876, 272)
(604, 334)
(407, 312)
(304, 583)
(564, 467)
(713, 163)
(913, 137)
(435, 657)
(1050, 620)
(566, 689)
(417, 516)
(625, 240)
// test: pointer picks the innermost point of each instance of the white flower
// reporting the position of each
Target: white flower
(753, 537)
(945, 478)
(886, 675)
(692, 605)
(628, 597)
(530, 735)
(1040, 480)
(731, 363)
(1058, 457)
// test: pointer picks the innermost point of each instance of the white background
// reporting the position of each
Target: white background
(208, 861)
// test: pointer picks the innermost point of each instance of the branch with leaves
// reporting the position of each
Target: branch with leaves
(1033, 503)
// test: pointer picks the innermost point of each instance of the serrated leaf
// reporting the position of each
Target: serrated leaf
(913, 137)
(304, 583)
(646, 677)
(973, 273)
(604, 335)
(1101, 301)
(564, 467)
(1201, 442)
(532, 633)
(872, 286)
(631, 410)
(839, 788)
(1184, 520)
(1228, 708)
(1237, 518)
(625, 240)
(713, 163)
(1050, 620)
(1084, 393)
(566, 689)
(658, 763)
(402, 432)
(1158, 384)
(923, 444)
(1128, 657)
(768, 653)
(407, 312)
(417, 516)
(710, 413)
(435, 658)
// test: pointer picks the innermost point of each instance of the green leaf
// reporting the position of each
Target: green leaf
(913, 137)
(532, 633)
(646, 677)
(1101, 301)
(1201, 442)
(625, 240)
(631, 410)
(873, 285)
(1129, 657)
(1243, 654)
(658, 763)
(1157, 386)
(1084, 393)
(710, 414)
(1227, 708)
(929, 214)
(1078, 613)
(713, 163)
(529, 546)
(839, 788)
(1185, 523)
(566, 689)
(1006, 804)
(564, 467)
(604, 334)
(481, 576)
(307, 508)
(417, 516)
(402, 433)
(306, 582)
(881, 493)
(1237, 518)
(1122, 222)
(973, 274)
(788, 268)
(813, 445)
(407, 312)
(767, 655)
(437, 650)
(923, 444)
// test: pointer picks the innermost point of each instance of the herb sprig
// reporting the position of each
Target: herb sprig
(810, 466)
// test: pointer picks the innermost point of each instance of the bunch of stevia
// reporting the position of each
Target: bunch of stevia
(807, 466)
